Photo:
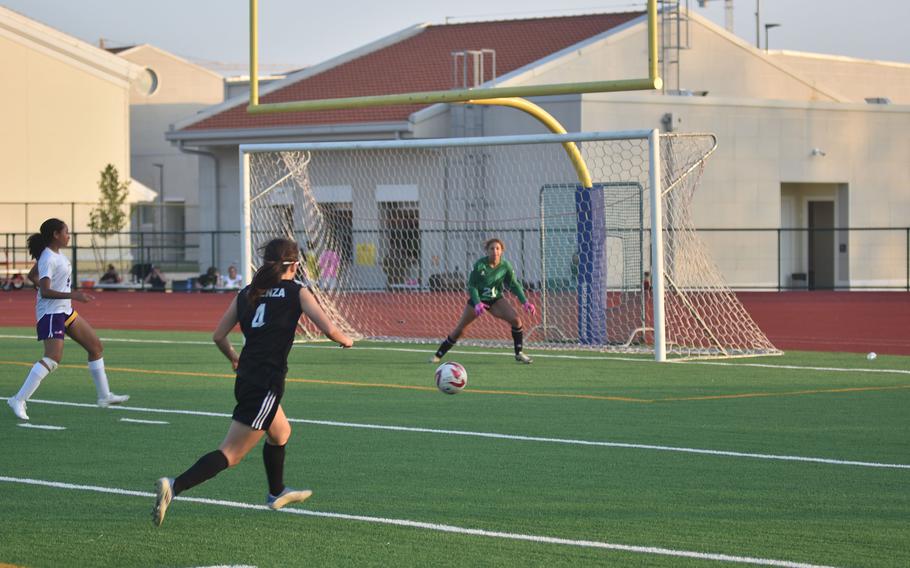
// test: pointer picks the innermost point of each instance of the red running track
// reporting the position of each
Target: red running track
(853, 322)
(856, 322)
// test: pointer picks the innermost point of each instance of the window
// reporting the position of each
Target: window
(400, 221)
(339, 221)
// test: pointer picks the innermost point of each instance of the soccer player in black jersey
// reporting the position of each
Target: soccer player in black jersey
(485, 287)
(268, 311)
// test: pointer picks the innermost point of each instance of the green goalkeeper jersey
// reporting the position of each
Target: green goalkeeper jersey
(486, 283)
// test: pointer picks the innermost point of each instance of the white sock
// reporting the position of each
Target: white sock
(96, 368)
(35, 376)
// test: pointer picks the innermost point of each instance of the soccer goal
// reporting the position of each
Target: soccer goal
(389, 231)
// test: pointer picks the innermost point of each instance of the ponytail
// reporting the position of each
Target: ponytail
(268, 276)
(39, 241)
(278, 255)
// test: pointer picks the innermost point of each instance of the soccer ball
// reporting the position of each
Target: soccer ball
(451, 377)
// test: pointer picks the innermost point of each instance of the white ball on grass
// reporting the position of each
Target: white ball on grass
(451, 377)
(871, 356)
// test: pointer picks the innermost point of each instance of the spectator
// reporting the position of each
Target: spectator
(311, 264)
(209, 280)
(328, 269)
(111, 276)
(156, 279)
(15, 282)
(233, 280)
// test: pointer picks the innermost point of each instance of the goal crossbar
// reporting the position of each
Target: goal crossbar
(448, 142)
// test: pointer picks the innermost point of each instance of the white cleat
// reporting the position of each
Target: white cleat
(164, 489)
(522, 358)
(112, 399)
(18, 407)
(287, 497)
(435, 359)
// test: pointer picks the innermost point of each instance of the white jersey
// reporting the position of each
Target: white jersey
(55, 266)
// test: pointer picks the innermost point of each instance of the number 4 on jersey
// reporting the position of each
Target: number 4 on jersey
(259, 316)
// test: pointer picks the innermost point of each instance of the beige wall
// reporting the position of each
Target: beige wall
(183, 89)
(762, 145)
(62, 124)
(856, 79)
(717, 62)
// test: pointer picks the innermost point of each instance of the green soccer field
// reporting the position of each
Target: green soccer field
(576, 460)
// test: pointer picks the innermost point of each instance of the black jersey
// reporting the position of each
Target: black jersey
(268, 331)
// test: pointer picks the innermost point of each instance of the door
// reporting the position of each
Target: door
(821, 245)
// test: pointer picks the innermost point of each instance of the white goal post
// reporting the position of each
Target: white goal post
(388, 232)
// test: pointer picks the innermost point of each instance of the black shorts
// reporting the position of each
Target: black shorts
(257, 404)
(487, 303)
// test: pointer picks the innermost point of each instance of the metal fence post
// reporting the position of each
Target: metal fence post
(141, 260)
(75, 249)
(778, 259)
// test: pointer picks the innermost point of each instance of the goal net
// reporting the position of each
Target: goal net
(388, 233)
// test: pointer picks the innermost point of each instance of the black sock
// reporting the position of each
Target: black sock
(518, 335)
(208, 466)
(445, 346)
(273, 458)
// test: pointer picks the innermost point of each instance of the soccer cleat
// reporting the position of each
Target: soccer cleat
(164, 489)
(522, 358)
(286, 497)
(18, 407)
(435, 359)
(112, 399)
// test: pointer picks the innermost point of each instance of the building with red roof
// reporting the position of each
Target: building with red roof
(792, 128)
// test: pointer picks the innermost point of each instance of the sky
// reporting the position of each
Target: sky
(295, 33)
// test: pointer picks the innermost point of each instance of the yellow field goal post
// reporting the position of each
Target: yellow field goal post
(650, 82)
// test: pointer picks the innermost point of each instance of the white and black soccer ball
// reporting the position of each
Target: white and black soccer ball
(451, 377)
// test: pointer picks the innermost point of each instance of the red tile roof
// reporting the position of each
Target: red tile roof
(422, 62)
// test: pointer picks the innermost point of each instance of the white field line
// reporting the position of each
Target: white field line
(40, 426)
(135, 421)
(505, 353)
(432, 526)
(514, 437)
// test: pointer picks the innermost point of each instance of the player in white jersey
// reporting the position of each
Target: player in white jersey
(56, 317)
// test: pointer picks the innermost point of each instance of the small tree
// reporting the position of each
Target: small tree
(108, 217)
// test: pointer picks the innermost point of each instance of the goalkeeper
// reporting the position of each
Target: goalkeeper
(485, 285)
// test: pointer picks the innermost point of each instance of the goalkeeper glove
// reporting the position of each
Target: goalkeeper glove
(530, 308)
(480, 308)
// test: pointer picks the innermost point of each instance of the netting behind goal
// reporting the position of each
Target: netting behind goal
(389, 232)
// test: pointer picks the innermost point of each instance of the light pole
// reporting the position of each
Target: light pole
(757, 24)
(768, 27)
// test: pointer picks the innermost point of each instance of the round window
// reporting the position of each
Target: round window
(147, 83)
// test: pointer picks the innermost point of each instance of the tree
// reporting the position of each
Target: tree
(108, 217)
